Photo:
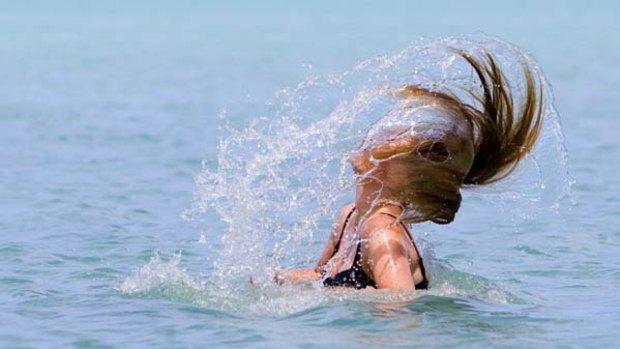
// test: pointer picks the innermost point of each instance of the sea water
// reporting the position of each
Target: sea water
(137, 200)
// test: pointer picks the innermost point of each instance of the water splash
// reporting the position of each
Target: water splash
(277, 180)
(159, 275)
(283, 178)
(450, 282)
(165, 279)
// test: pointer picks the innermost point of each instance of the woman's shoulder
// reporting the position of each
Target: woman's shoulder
(343, 217)
(346, 210)
(381, 222)
(345, 213)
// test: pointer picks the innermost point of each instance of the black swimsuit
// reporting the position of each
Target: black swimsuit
(355, 276)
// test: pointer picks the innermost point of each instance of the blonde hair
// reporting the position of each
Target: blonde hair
(502, 136)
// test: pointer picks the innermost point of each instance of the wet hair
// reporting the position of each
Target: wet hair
(503, 135)
(504, 128)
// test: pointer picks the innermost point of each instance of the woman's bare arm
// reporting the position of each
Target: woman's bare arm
(386, 258)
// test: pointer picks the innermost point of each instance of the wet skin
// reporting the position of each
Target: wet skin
(413, 177)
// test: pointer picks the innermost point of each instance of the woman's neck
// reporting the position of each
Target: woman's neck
(370, 198)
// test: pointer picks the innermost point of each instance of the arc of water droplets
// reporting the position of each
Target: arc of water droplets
(276, 181)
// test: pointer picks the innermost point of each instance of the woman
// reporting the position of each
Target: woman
(410, 169)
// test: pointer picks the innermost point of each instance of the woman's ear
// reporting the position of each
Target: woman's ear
(361, 162)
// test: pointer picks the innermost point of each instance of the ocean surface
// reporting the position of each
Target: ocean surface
(128, 209)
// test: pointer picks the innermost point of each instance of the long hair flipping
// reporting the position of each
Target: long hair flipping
(495, 134)
(502, 131)
(503, 135)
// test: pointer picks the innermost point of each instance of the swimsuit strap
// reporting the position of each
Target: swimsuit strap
(421, 285)
(344, 226)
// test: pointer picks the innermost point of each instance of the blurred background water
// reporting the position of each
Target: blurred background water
(108, 109)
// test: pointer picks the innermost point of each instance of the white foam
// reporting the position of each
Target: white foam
(157, 274)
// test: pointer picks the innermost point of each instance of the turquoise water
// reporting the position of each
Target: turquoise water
(109, 112)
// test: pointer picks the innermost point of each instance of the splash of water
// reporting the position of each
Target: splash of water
(165, 279)
(284, 178)
(276, 181)
(157, 274)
